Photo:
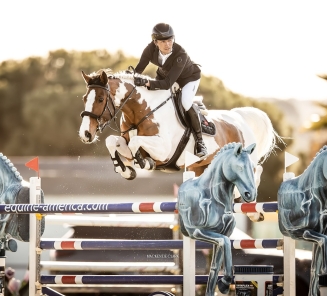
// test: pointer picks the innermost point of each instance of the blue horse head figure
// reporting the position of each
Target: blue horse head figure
(12, 191)
(302, 213)
(205, 206)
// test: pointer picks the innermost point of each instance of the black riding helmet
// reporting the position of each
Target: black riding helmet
(162, 31)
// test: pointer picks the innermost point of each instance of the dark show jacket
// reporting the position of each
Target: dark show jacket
(177, 68)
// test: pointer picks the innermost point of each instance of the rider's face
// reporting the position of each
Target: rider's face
(165, 46)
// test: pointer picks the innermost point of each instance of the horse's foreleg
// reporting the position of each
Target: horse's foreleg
(117, 143)
(221, 254)
(318, 264)
(155, 146)
(144, 163)
(117, 147)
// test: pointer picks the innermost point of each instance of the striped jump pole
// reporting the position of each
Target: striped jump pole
(120, 208)
(35, 207)
(83, 244)
(118, 279)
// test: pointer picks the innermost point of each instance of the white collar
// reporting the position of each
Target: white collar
(164, 57)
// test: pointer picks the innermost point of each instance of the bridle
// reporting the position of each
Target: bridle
(113, 115)
(100, 126)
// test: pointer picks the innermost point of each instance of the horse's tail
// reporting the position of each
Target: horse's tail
(264, 133)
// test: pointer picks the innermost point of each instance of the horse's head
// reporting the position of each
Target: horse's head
(317, 170)
(10, 180)
(239, 170)
(98, 106)
(12, 191)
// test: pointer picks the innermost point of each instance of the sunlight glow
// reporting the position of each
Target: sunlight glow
(272, 49)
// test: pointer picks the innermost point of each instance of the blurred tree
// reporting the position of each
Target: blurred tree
(322, 122)
(323, 76)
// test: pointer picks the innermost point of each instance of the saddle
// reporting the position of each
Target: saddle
(207, 127)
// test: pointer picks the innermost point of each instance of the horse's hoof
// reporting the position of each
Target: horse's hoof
(132, 173)
(223, 284)
(150, 164)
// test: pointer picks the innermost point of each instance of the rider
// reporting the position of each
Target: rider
(174, 65)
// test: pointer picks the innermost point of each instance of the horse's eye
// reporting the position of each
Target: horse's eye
(101, 100)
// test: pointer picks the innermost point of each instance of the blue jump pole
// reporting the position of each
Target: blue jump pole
(50, 244)
(118, 279)
(104, 208)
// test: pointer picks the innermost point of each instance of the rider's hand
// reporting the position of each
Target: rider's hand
(138, 81)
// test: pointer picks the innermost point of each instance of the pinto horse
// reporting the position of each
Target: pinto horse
(205, 207)
(302, 213)
(151, 131)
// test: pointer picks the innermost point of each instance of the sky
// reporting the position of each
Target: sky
(260, 49)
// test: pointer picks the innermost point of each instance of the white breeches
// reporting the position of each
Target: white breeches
(188, 93)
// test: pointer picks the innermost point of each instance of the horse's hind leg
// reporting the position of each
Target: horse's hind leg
(318, 264)
(321, 241)
(221, 253)
(216, 262)
(315, 268)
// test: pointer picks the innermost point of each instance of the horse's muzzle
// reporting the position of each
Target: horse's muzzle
(248, 197)
(87, 139)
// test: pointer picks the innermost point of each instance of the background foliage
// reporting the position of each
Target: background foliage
(41, 99)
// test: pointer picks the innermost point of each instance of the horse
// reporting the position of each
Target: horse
(205, 206)
(152, 133)
(302, 212)
(13, 190)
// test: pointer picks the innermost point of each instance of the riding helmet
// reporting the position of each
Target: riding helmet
(162, 31)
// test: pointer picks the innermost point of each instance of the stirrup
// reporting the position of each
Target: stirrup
(202, 152)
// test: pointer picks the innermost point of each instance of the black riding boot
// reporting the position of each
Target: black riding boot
(201, 149)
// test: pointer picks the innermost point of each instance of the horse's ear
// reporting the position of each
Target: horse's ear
(104, 78)
(250, 148)
(238, 149)
(86, 77)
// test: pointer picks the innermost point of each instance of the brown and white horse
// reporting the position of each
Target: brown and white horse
(151, 131)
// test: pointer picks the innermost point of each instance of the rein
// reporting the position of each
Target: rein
(133, 127)
(116, 110)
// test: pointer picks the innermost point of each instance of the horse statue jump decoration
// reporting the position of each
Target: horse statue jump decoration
(302, 213)
(151, 132)
(14, 190)
(205, 207)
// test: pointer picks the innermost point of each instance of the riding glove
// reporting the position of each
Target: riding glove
(138, 81)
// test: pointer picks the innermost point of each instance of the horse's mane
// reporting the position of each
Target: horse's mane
(226, 147)
(323, 149)
(119, 74)
(216, 164)
(6, 161)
